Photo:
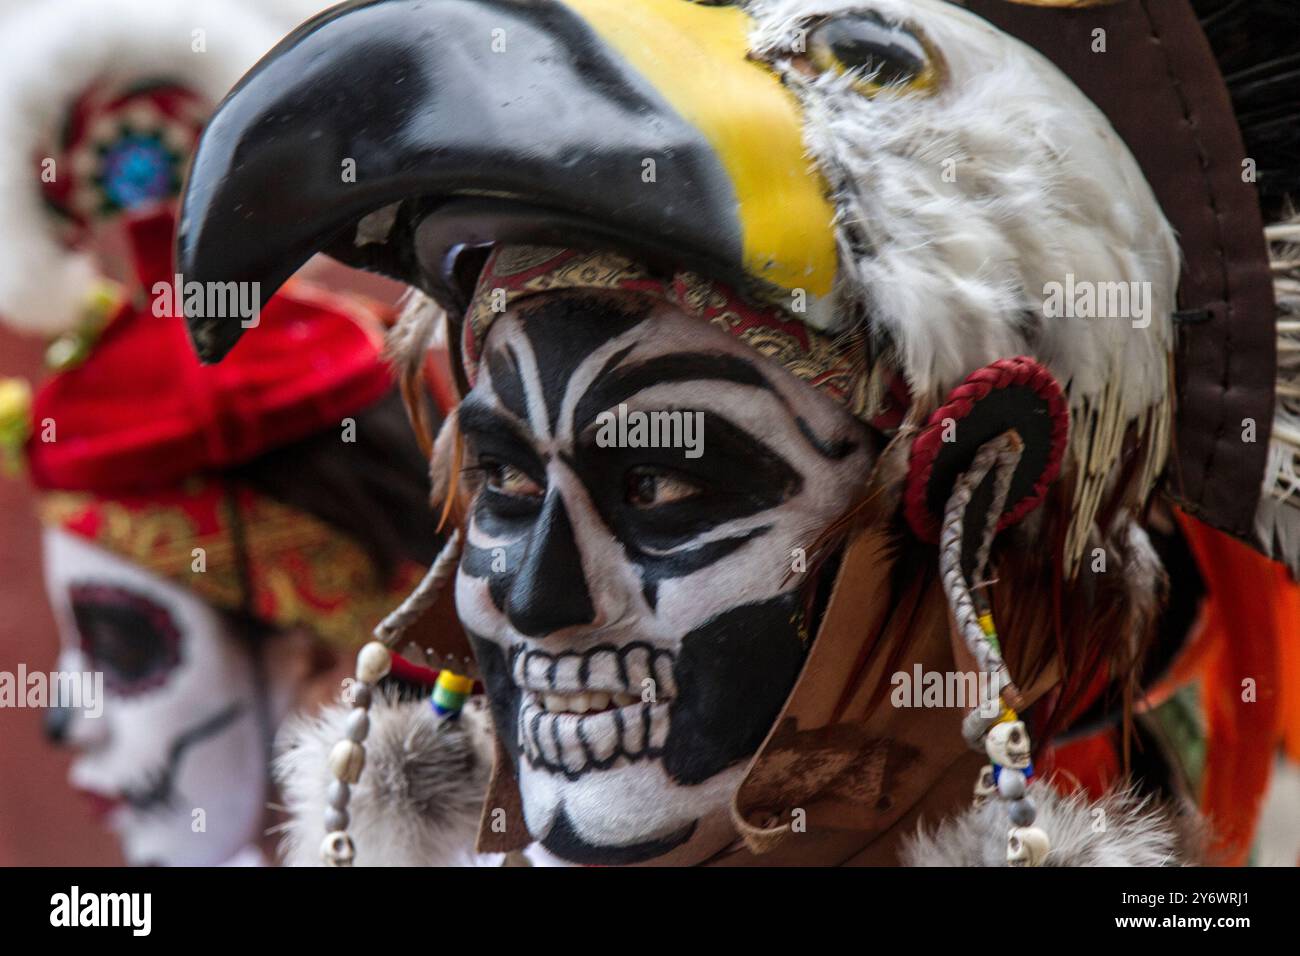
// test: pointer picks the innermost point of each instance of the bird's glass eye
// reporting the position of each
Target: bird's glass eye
(879, 56)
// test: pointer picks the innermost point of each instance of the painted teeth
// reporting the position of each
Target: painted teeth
(572, 744)
(575, 682)
(588, 711)
(593, 702)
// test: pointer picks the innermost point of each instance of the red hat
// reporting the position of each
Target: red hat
(143, 413)
(130, 447)
(132, 442)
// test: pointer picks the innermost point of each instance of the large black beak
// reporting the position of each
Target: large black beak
(396, 134)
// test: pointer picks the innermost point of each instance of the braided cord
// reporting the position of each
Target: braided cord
(1003, 454)
(391, 628)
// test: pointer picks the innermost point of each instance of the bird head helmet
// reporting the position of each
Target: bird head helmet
(799, 342)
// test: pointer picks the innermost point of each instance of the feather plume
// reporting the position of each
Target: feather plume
(956, 213)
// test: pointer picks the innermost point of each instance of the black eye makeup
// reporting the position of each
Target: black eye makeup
(131, 638)
(504, 490)
(658, 497)
(494, 438)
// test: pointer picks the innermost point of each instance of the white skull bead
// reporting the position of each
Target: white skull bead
(1026, 846)
(1007, 744)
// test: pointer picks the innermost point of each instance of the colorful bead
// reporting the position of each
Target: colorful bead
(1011, 784)
(339, 794)
(1008, 746)
(359, 693)
(450, 693)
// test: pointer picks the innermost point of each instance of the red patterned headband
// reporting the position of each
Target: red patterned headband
(242, 551)
(833, 366)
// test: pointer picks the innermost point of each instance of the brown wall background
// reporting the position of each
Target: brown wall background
(42, 822)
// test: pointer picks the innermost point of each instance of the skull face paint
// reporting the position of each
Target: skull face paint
(181, 729)
(633, 609)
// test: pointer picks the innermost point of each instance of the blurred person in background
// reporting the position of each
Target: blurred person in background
(213, 536)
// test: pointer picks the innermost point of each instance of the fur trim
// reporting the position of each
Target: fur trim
(1121, 829)
(50, 53)
(420, 795)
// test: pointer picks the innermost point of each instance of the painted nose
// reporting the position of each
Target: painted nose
(550, 591)
(57, 721)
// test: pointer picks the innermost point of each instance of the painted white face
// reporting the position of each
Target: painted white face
(633, 609)
(176, 763)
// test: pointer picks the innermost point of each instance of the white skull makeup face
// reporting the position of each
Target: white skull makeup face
(634, 609)
(182, 727)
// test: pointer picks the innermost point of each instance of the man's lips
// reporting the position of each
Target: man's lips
(101, 804)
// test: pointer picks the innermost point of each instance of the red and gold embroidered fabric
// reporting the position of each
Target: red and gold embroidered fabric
(835, 366)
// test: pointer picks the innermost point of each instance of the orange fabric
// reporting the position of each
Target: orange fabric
(1251, 626)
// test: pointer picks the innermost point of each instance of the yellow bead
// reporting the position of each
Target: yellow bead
(455, 682)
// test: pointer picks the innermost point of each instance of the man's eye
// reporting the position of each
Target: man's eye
(509, 480)
(647, 488)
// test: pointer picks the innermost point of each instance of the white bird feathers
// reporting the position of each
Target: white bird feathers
(957, 209)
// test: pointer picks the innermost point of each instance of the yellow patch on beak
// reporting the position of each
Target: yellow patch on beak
(697, 58)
